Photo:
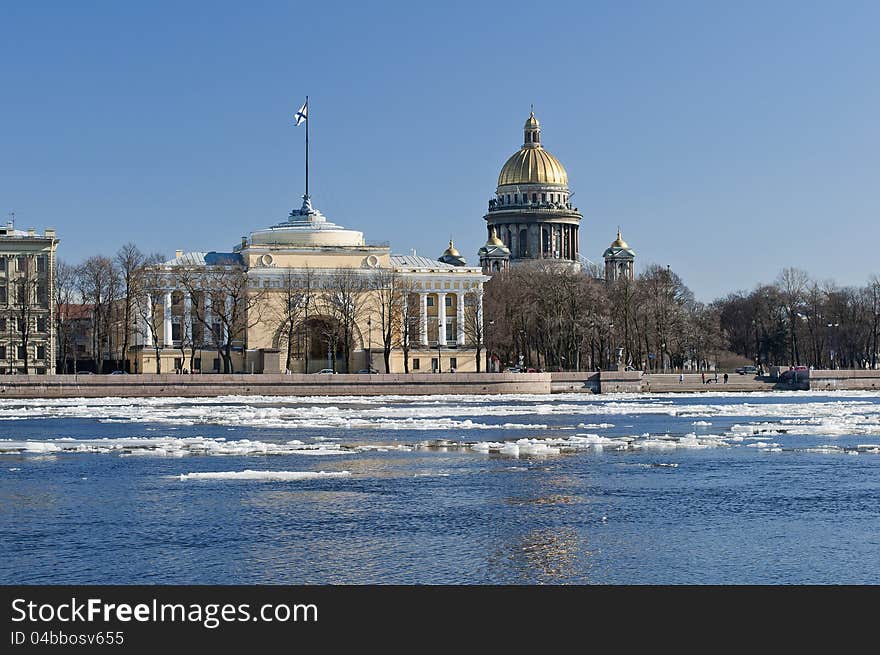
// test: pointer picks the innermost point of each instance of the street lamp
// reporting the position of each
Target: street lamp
(369, 344)
(833, 341)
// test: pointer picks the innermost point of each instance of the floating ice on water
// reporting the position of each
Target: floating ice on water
(264, 475)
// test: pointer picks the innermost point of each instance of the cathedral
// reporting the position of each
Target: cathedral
(531, 216)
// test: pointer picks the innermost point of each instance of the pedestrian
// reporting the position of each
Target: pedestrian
(725, 378)
(681, 378)
(716, 376)
(703, 375)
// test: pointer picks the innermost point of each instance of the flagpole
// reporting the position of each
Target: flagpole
(307, 147)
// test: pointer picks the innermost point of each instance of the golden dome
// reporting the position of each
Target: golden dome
(532, 164)
(619, 242)
(451, 251)
(494, 240)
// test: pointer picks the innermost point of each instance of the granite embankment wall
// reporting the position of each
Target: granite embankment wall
(845, 380)
(169, 385)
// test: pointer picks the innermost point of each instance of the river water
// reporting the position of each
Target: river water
(777, 487)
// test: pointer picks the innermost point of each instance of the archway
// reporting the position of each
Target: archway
(316, 344)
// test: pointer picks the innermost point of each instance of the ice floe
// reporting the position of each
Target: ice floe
(264, 475)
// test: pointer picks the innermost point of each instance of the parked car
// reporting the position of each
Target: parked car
(512, 369)
(747, 370)
(325, 370)
(119, 373)
(369, 371)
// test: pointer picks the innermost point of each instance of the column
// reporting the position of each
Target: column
(441, 317)
(166, 336)
(404, 327)
(148, 321)
(459, 317)
(423, 297)
(227, 307)
(186, 332)
(209, 325)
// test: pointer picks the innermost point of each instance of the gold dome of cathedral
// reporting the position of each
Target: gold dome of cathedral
(532, 164)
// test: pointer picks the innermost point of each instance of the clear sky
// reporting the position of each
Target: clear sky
(726, 139)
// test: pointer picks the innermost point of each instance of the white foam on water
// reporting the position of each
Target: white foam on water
(264, 475)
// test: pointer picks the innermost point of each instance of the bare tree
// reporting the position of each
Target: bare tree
(388, 300)
(410, 318)
(474, 330)
(343, 297)
(294, 310)
(237, 303)
(98, 282)
(28, 299)
(147, 297)
(130, 262)
(63, 295)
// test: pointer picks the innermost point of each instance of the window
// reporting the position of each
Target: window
(516, 198)
(449, 301)
(175, 331)
(217, 364)
(42, 264)
(41, 371)
(453, 362)
(2, 263)
(534, 197)
(415, 364)
(41, 352)
(197, 364)
(3, 297)
(433, 363)
(2, 325)
(430, 301)
(41, 324)
(42, 294)
(2, 352)
(508, 199)
(21, 352)
(543, 197)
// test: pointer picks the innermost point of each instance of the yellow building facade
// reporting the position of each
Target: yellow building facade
(306, 295)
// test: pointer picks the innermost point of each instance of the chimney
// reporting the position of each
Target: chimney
(178, 254)
(50, 233)
(31, 232)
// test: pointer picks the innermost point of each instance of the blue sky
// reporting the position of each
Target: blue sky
(727, 139)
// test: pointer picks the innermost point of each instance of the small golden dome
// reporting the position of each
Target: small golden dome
(619, 242)
(494, 240)
(451, 251)
(531, 122)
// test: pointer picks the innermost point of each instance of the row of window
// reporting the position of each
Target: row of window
(554, 197)
(430, 300)
(21, 295)
(15, 324)
(19, 351)
(22, 263)
(417, 364)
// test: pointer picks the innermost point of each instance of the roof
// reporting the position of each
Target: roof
(417, 261)
(206, 259)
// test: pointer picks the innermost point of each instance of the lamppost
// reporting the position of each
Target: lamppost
(488, 357)
(369, 344)
(833, 341)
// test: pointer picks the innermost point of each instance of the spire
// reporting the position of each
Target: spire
(532, 132)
